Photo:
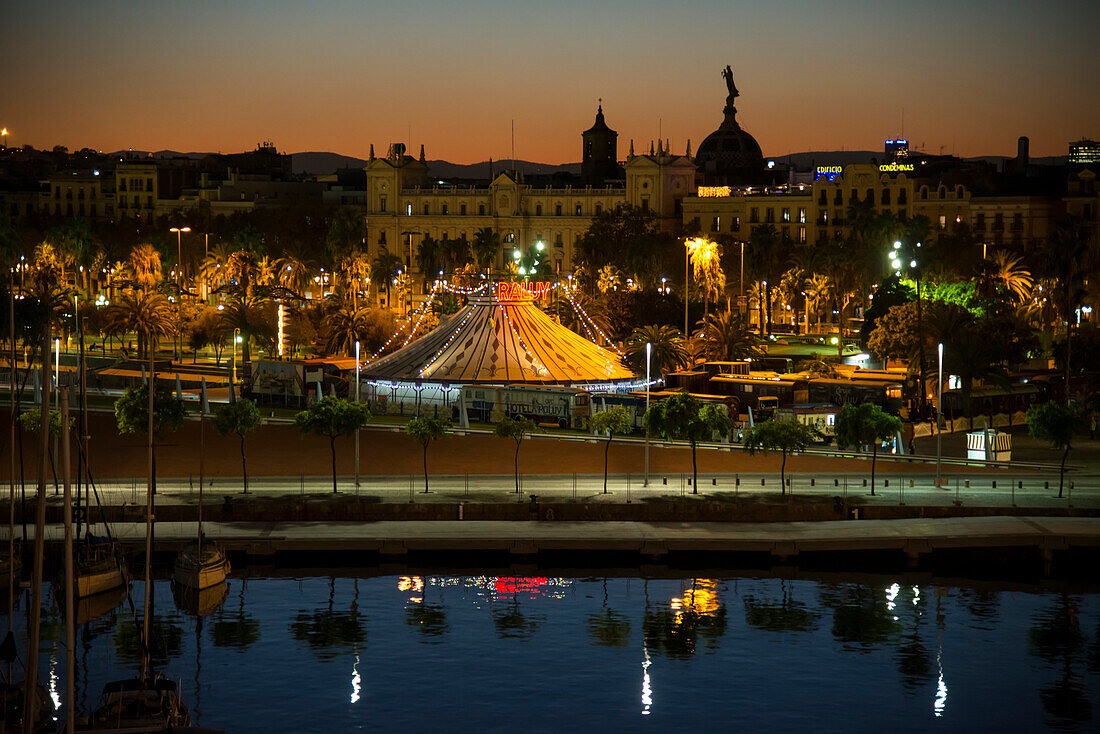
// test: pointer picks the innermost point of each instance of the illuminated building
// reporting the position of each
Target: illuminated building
(1084, 152)
(404, 204)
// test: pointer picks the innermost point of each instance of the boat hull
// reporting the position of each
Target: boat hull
(201, 570)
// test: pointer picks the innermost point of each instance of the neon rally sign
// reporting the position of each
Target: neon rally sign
(510, 291)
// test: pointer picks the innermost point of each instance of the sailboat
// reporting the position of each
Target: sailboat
(202, 564)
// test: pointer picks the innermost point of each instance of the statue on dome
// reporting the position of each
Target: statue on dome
(727, 74)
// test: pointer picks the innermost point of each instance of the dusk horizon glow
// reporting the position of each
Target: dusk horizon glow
(335, 76)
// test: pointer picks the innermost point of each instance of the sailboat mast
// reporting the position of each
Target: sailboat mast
(202, 476)
(150, 344)
(84, 470)
(11, 484)
(70, 624)
(30, 692)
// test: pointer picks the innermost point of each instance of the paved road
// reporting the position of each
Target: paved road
(1021, 490)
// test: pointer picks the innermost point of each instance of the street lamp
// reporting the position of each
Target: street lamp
(233, 382)
(357, 402)
(648, 352)
(939, 413)
(179, 288)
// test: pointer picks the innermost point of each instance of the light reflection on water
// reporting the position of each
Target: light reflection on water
(562, 654)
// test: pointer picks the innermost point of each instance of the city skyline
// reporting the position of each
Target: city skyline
(328, 79)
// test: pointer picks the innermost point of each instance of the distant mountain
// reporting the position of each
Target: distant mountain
(318, 163)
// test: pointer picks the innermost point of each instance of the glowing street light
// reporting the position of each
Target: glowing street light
(179, 288)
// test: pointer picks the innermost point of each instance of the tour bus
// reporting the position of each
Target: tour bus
(564, 407)
(821, 416)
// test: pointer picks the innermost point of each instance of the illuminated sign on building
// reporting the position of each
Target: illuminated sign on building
(893, 167)
(713, 191)
(508, 291)
(827, 172)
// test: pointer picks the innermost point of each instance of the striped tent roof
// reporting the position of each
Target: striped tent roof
(494, 340)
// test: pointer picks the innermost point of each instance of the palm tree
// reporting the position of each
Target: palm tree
(295, 273)
(1003, 273)
(819, 292)
(486, 246)
(429, 257)
(723, 337)
(143, 312)
(387, 266)
(213, 267)
(242, 270)
(456, 253)
(144, 267)
(246, 314)
(342, 327)
(669, 349)
(353, 270)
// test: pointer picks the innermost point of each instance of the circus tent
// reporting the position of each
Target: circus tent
(500, 337)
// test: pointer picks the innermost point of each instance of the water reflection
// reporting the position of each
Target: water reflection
(1056, 638)
(783, 615)
(694, 618)
(330, 631)
(520, 645)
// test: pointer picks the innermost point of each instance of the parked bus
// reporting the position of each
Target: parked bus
(565, 407)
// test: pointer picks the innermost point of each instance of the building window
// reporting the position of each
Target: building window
(149, 184)
(599, 209)
(408, 210)
(1018, 221)
(557, 210)
(802, 215)
(382, 237)
(443, 209)
(979, 222)
(754, 215)
(557, 240)
(839, 198)
(854, 197)
(645, 203)
(462, 210)
(769, 215)
(716, 224)
(735, 225)
(885, 197)
(481, 210)
(786, 214)
(823, 198)
(871, 195)
(902, 198)
(538, 210)
(942, 192)
(427, 209)
(958, 192)
(998, 222)
(382, 203)
(802, 235)
(577, 208)
(943, 221)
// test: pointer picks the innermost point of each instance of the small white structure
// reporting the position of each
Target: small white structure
(989, 445)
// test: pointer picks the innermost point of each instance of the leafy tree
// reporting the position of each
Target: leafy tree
(132, 414)
(332, 417)
(425, 430)
(895, 334)
(615, 421)
(626, 238)
(239, 417)
(1056, 423)
(682, 416)
(866, 423)
(669, 349)
(892, 292)
(386, 267)
(346, 229)
(789, 437)
(31, 421)
(515, 429)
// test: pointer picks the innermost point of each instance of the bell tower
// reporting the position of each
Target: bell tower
(599, 151)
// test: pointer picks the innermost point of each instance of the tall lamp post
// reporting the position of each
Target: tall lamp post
(233, 382)
(648, 352)
(896, 262)
(939, 413)
(179, 288)
(687, 273)
(357, 401)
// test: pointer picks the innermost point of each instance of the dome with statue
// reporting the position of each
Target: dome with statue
(730, 156)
